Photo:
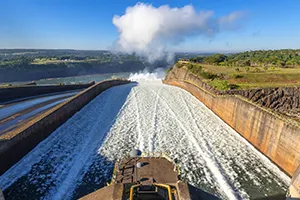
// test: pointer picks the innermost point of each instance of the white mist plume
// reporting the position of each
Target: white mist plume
(148, 31)
(145, 75)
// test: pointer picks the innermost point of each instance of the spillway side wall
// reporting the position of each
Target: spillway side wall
(276, 137)
(294, 189)
(17, 143)
(17, 92)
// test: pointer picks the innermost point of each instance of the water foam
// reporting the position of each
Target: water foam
(145, 75)
(212, 156)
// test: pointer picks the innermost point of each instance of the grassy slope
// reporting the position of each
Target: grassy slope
(270, 77)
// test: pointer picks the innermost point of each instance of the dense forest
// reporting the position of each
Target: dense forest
(270, 58)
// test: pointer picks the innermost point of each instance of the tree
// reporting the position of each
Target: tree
(215, 59)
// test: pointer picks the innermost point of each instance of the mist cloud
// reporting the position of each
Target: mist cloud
(149, 31)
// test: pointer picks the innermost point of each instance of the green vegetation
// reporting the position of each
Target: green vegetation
(9, 63)
(269, 58)
(213, 79)
(254, 69)
(215, 59)
(34, 64)
(222, 85)
(251, 69)
(31, 62)
(197, 59)
(169, 69)
(198, 70)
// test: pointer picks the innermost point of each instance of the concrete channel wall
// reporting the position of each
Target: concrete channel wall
(17, 143)
(275, 136)
(16, 92)
(294, 190)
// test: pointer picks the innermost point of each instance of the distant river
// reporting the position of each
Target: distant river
(82, 79)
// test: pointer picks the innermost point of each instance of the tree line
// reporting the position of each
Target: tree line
(260, 58)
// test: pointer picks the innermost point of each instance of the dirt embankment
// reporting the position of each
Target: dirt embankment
(285, 101)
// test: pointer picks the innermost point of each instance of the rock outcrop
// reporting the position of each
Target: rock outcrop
(283, 100)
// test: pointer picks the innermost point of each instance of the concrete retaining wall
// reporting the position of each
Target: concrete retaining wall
(17, 143)
(275, 136)
(294, 189)
(17, 92)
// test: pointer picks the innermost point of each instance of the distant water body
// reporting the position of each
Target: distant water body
(82, 79)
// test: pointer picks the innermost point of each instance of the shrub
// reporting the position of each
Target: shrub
(178, 65)
(190, 66)
(233, 86)
(257, 70)
(236, 76)
(215, 59)
(220, 84)
(237, 69)
(247, 69)
(169, 69)
(207, 75)
(221, 76)
(198, 70)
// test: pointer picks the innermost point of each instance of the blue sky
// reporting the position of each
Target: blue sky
(87, 24)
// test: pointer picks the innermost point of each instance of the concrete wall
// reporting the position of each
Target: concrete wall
(16, 92)
(294, 190)
(17, 143)
(275, 136)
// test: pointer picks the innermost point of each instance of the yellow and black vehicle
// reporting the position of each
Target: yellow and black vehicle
(147, 176)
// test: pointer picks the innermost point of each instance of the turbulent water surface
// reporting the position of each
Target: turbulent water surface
(79, 156)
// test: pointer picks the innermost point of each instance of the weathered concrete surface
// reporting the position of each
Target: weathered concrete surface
(17, 143)
(294, 190)
(112, 192)
(275, 136)
(16, 92)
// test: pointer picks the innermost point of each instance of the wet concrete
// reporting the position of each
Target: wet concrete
(14, 115)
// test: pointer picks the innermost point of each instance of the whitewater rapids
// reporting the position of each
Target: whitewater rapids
(79, 156)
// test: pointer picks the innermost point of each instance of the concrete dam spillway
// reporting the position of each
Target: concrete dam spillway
(78, 157)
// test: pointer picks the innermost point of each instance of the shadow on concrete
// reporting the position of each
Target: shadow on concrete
(273, 197)
(198, 194)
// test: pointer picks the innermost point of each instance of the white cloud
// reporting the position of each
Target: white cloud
(147, 30)
(229, 22)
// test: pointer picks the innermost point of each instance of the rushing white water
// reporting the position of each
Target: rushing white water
(78, 157)
(145, 75)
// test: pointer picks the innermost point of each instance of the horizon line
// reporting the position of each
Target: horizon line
(187, 51)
